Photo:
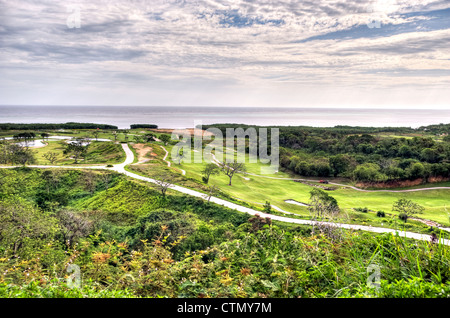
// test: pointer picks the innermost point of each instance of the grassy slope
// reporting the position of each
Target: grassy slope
(259, 189)
(99, 152)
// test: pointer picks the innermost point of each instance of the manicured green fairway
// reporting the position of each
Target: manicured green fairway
(259, 189)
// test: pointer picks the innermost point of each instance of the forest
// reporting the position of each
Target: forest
(364, 154)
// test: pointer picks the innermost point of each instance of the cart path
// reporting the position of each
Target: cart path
(183, 172)
(120, 168)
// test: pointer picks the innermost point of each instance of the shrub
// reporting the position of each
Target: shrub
(403, 217)
(362, 210)
(381, 214)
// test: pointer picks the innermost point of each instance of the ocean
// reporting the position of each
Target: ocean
(188, 117)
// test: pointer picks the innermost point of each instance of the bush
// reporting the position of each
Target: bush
(381, 214)
(403, 217)
(362, 210)
(136, 126)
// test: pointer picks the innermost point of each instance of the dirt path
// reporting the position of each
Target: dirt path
(183, 172)
(142, 150)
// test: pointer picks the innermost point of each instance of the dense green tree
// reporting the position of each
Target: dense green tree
(322, 204)
(23, 227)
(164, 138)
(209, 170)
(369, 172)
(415, 171)
(77, 148)
(407, 208)
(340, 164)
(429, 155)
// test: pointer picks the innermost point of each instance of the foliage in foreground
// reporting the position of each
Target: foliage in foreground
(186, 247)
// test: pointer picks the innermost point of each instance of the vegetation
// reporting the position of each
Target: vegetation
(131, 238)
(232, 168)
(129, 243)
(362, 155)
(407, 208)
(137, 126)
(209, 170)
(10, 126)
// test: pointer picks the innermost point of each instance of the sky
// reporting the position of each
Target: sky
(269, 53)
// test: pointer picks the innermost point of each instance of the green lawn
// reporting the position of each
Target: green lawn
(259, 189)
(255, 190)
(99, 152)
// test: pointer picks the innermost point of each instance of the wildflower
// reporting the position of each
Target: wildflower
(100, 257)
(124, 245)
(245, 271)
(157, 242)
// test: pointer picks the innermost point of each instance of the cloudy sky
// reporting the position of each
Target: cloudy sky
(289, 53)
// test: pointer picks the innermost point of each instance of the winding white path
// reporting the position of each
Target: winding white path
(130, 157)
(120, 168)
(183, 172)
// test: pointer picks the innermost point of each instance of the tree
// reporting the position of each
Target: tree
(89, 181)
(212, 191)
(231, 168)
(96, 133)
(164, 181)
(369, 172)
(23, 227)
(25, 137)
(24, 156)
(340, 163)
(416, 171)
(15, 154)
(164, 138)
(115, 135)
(209, 170)
(267, 207)
(106, 179)
(259, 222)
(322, 204)
(52, 157)
(73, 226)
(150, 137)
(429, 155)
(45, 136)
(138, 138)
(407, 208)
(77, 148)
(179, 154)
(125, 133)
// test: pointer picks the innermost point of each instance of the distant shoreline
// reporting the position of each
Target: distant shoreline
(188, 117)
